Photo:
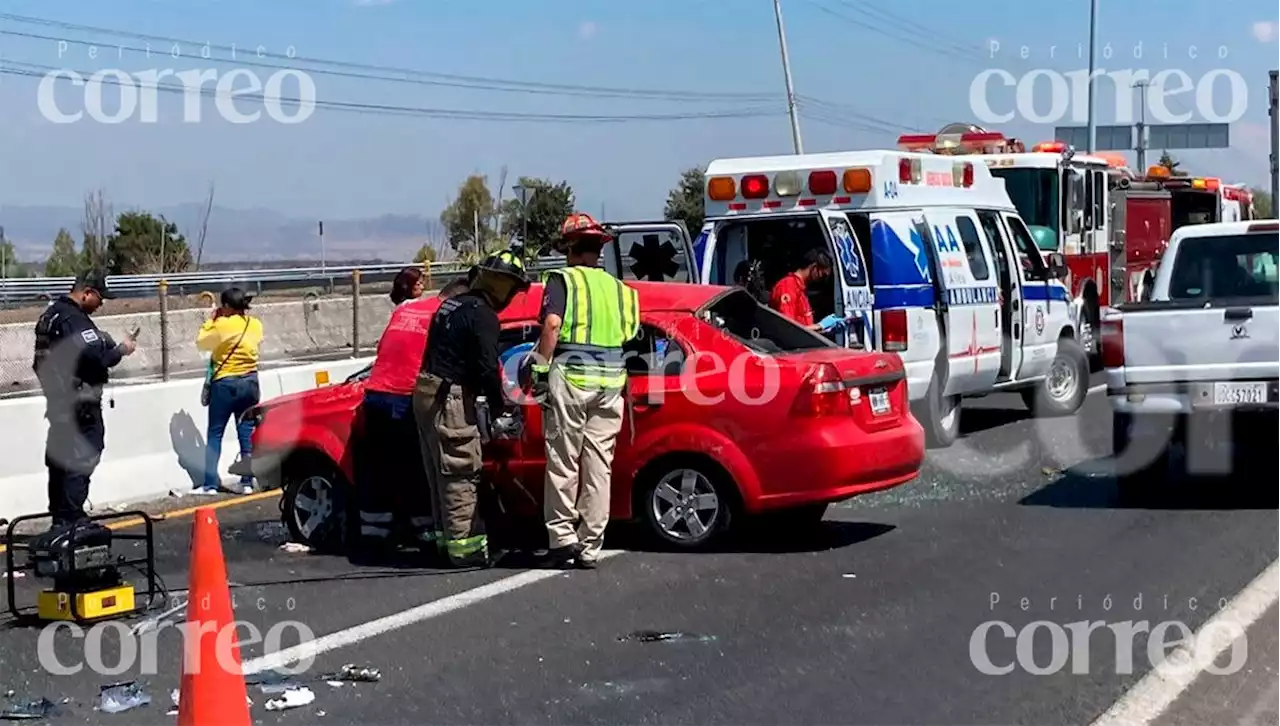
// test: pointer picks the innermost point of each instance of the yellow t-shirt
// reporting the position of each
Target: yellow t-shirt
(217, 337)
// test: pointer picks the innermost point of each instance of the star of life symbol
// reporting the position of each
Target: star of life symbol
(916, 245)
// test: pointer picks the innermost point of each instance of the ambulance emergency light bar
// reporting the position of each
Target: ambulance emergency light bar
(821, 183)
(972, 142)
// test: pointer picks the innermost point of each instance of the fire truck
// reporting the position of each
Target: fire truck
(1063, 198)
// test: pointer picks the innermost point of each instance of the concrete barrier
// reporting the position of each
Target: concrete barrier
(155, 438)
(290, 329)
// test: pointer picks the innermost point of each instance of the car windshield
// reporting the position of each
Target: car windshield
(738, 315)
(1035, 194)
(1237, 266)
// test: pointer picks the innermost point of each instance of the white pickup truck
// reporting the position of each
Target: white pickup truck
(1193, 367)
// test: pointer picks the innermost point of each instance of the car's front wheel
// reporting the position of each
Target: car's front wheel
(314, 503)
(686, 503)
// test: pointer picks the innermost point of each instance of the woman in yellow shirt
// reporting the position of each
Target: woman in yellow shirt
(231, 337)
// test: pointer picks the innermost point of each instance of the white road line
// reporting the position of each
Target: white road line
(1153, 695)
(1097, 389)
(381, 626)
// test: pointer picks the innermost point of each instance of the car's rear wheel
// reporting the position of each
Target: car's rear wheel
(314, 505)
(686, 502)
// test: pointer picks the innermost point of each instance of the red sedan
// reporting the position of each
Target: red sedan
(733, 410)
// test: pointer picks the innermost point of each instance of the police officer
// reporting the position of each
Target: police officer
(461, 363)
(72, 361)
(587, 316)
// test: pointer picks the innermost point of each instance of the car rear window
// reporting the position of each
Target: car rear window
(738, 315)
(1236, 266)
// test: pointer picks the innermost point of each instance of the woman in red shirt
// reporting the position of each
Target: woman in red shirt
(790, 294)
(393, 501)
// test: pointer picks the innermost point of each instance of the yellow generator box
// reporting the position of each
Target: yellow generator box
(107, 603)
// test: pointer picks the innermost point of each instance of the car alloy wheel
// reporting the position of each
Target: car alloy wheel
(316, 514)
(686, 507)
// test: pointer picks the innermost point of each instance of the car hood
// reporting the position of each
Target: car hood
(317, 396)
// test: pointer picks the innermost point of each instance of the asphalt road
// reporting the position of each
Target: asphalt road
(868, 620)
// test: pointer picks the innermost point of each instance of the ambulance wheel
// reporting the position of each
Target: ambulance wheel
(314, 502)
(939, 415)
(1063, 390)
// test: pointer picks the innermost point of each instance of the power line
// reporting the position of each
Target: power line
(32, 70)
(908, 39)
(457, 80)
(905, 24)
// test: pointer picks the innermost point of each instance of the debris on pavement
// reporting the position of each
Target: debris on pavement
(1050, 472)
(355, 674)
(850, 576)
(30, 711)
(295, 548)
(16, 575)
(657, 636)
(292, 698)
(120, 697)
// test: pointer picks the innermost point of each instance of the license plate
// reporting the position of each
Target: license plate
(1236, 394)
(879, 401)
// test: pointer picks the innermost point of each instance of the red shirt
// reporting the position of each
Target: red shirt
(395, 369)
(789, 298)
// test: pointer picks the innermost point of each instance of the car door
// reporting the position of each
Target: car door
(973, 311)
(650, 251)
(1039, 342)
(1005, 257)
(855, 301)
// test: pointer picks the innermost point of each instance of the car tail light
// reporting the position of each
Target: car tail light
(1112, 343)
(1265, 227)
(823, 393)
(893, 331)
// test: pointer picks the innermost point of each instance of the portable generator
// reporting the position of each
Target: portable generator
(85, 572)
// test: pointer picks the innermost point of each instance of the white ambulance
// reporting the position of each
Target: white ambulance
(931, 261)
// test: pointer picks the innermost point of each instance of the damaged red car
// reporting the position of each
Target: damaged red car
(732, 408)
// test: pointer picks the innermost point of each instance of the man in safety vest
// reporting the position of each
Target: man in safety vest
(587, 315)
(461, 363)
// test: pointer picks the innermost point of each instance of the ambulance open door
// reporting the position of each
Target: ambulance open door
(854, 300)
(651, 252)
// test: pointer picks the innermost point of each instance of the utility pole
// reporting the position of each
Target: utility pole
(1093, 86)
(1142, 126)
(1275, 153)
(524, 194)
(164, 233)
(323, 264)
(786, 72)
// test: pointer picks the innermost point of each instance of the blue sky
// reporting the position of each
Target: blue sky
(905, 64)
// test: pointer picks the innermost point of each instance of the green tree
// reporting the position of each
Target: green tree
(466, 216)
(1168, 161)
(139, 241)
(1264, 207)
(686, 202)
(548, 208)
(64, 260)
(426, 253)
(9, 265)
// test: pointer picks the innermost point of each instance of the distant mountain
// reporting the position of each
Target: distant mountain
(246, 235)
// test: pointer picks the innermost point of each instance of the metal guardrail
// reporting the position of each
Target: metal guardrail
(38, 289)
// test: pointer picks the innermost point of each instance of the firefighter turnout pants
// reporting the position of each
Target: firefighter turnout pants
(73, 449)
(451, 452)
(393, 500)
(581, 429)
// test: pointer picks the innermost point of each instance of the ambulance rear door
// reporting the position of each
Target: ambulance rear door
(651, 252)
(854, 300)
(969, 281)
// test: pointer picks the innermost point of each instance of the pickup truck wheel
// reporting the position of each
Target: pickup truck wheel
(1063, 390)
(314, 504)
(687, 504)
(939, 415)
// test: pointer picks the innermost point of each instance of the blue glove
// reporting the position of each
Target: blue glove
(831, 322)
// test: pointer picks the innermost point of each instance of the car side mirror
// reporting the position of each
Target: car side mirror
(1057, 265)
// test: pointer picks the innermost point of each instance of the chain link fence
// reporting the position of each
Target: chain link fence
(346, 318)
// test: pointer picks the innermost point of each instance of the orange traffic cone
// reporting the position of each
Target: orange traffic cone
(213, 689)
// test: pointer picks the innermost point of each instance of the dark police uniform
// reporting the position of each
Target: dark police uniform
(72, 361)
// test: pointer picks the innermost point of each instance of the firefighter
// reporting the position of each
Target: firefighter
(461, 363)
(587, 315)
(392, 499)
(790, 295)
(72, 361)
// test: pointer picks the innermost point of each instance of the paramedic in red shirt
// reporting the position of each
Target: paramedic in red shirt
(790, 295)
(391, 487)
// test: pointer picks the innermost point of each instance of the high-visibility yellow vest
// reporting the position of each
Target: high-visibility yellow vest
(601, 314)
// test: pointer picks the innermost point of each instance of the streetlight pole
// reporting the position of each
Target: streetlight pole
(1093, 86)
(786, 72)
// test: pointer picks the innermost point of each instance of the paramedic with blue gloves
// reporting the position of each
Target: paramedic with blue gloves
(790, 295)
